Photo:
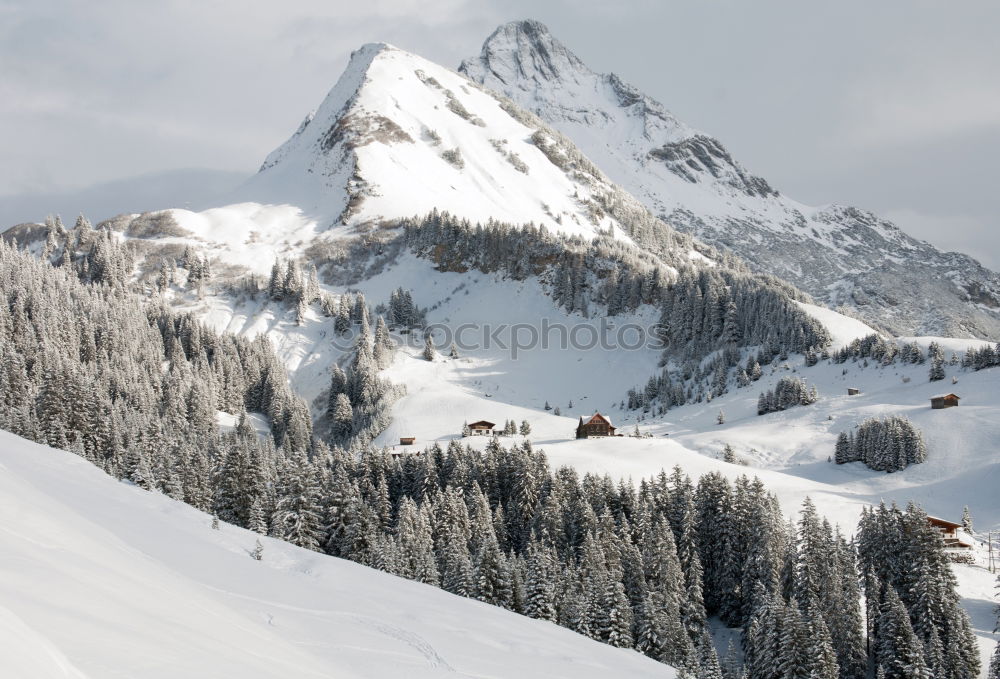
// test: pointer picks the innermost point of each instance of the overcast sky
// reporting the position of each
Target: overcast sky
(890, 105)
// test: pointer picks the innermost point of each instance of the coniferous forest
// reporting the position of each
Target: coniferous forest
(135, 389)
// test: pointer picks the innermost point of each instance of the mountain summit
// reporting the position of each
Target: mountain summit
(841, 255)
(400, 136)
(525, 51)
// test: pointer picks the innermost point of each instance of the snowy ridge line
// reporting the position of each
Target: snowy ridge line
(840, 255)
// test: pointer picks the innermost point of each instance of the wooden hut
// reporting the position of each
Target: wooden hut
(853, 391)
(482, 428)
(407, 440)
(950, 533)
(944, 401)
(595, 426)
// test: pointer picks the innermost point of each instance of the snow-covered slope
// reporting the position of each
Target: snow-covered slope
(840, 255)
(399, 136)
(790, 451)
(101, 579)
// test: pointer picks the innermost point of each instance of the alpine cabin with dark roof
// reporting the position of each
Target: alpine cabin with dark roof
(595, 426)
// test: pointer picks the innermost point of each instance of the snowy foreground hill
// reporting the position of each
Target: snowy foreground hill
(102, 579)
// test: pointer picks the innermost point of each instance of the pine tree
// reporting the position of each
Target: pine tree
(275, 287)
(994, 670)
(693, 605)
(539, 583)
(258, 550)
(343, 418)
(416, 544)
(898, 650)
(937, 362)
(967, 520)
(492, 577)
(614, 621)
(297, 514)
(258, 522)
(429, 352)
(525, 428)
(842, 451)
(383, 347)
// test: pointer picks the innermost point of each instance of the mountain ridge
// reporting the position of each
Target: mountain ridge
(839, 254)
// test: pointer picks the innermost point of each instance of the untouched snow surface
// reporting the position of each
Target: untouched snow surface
(843, 329)
(101, 579)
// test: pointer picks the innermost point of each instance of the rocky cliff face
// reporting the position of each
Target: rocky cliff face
(840, 255)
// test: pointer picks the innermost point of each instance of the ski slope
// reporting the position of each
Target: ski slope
(101, 579)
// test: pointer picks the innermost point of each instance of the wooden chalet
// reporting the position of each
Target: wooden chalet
(949, 532)
(482, 428)
(407, 440)
(944, 401)
(853, 391)
(595, 426)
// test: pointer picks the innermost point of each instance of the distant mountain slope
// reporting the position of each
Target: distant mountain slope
(840, 255)
(101, 579)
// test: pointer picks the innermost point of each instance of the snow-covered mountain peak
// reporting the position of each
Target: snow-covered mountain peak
(840, 255)
(526, 49)
(333, 105)
(399, 136)
(555, 83)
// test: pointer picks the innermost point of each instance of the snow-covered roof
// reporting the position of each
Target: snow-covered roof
(938, 520)
(597, 417)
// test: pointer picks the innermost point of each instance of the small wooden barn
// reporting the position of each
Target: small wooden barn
(944, 401)
(407, 440)
(853, 391)
(594, 426)
(949, 532)
(482, 428)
